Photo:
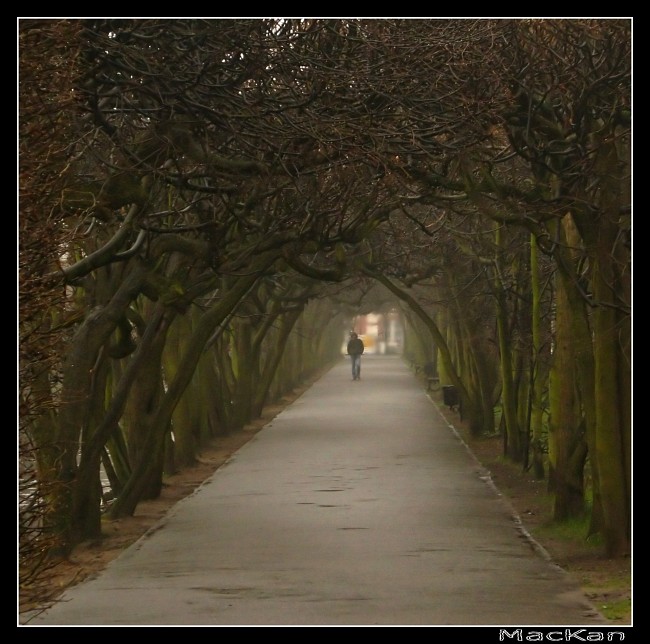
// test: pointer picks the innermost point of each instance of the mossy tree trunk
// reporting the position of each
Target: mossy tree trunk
(273, 357)
(537, 434)
(147, 466)
(77, 392)
(567, 441)
(186, 416)
(145, 397)
(513, 443)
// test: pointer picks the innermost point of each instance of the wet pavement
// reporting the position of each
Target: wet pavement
(357, 505)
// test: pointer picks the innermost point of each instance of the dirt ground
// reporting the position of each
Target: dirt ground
(606, 582)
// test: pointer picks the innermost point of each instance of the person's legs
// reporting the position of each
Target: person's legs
(356, 367)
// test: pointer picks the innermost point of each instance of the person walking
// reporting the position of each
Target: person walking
(355, 349)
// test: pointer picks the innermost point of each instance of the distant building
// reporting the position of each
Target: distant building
(381, 332)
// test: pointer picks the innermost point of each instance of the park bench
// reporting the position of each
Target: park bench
(429, 370)
(412, 362)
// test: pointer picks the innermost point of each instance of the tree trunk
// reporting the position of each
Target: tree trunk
(273, 360)
(582, 346)
(185, 417)
(565, 436)
(508, 391)
(87, 492)
(612, 435)
(152, 450)
(76, 394)
(536, 422)
(604, 233)
(246, 365)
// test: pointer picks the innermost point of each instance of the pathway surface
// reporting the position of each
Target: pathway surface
(357, 505)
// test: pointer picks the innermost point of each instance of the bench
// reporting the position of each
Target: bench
(429, 370)
(412, 363)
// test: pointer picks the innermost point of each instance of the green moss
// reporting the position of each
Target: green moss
(617, 610)
(574, 529)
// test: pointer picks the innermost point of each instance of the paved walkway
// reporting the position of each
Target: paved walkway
(357, 505)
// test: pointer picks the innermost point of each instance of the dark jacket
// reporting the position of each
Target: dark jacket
(355, 346)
